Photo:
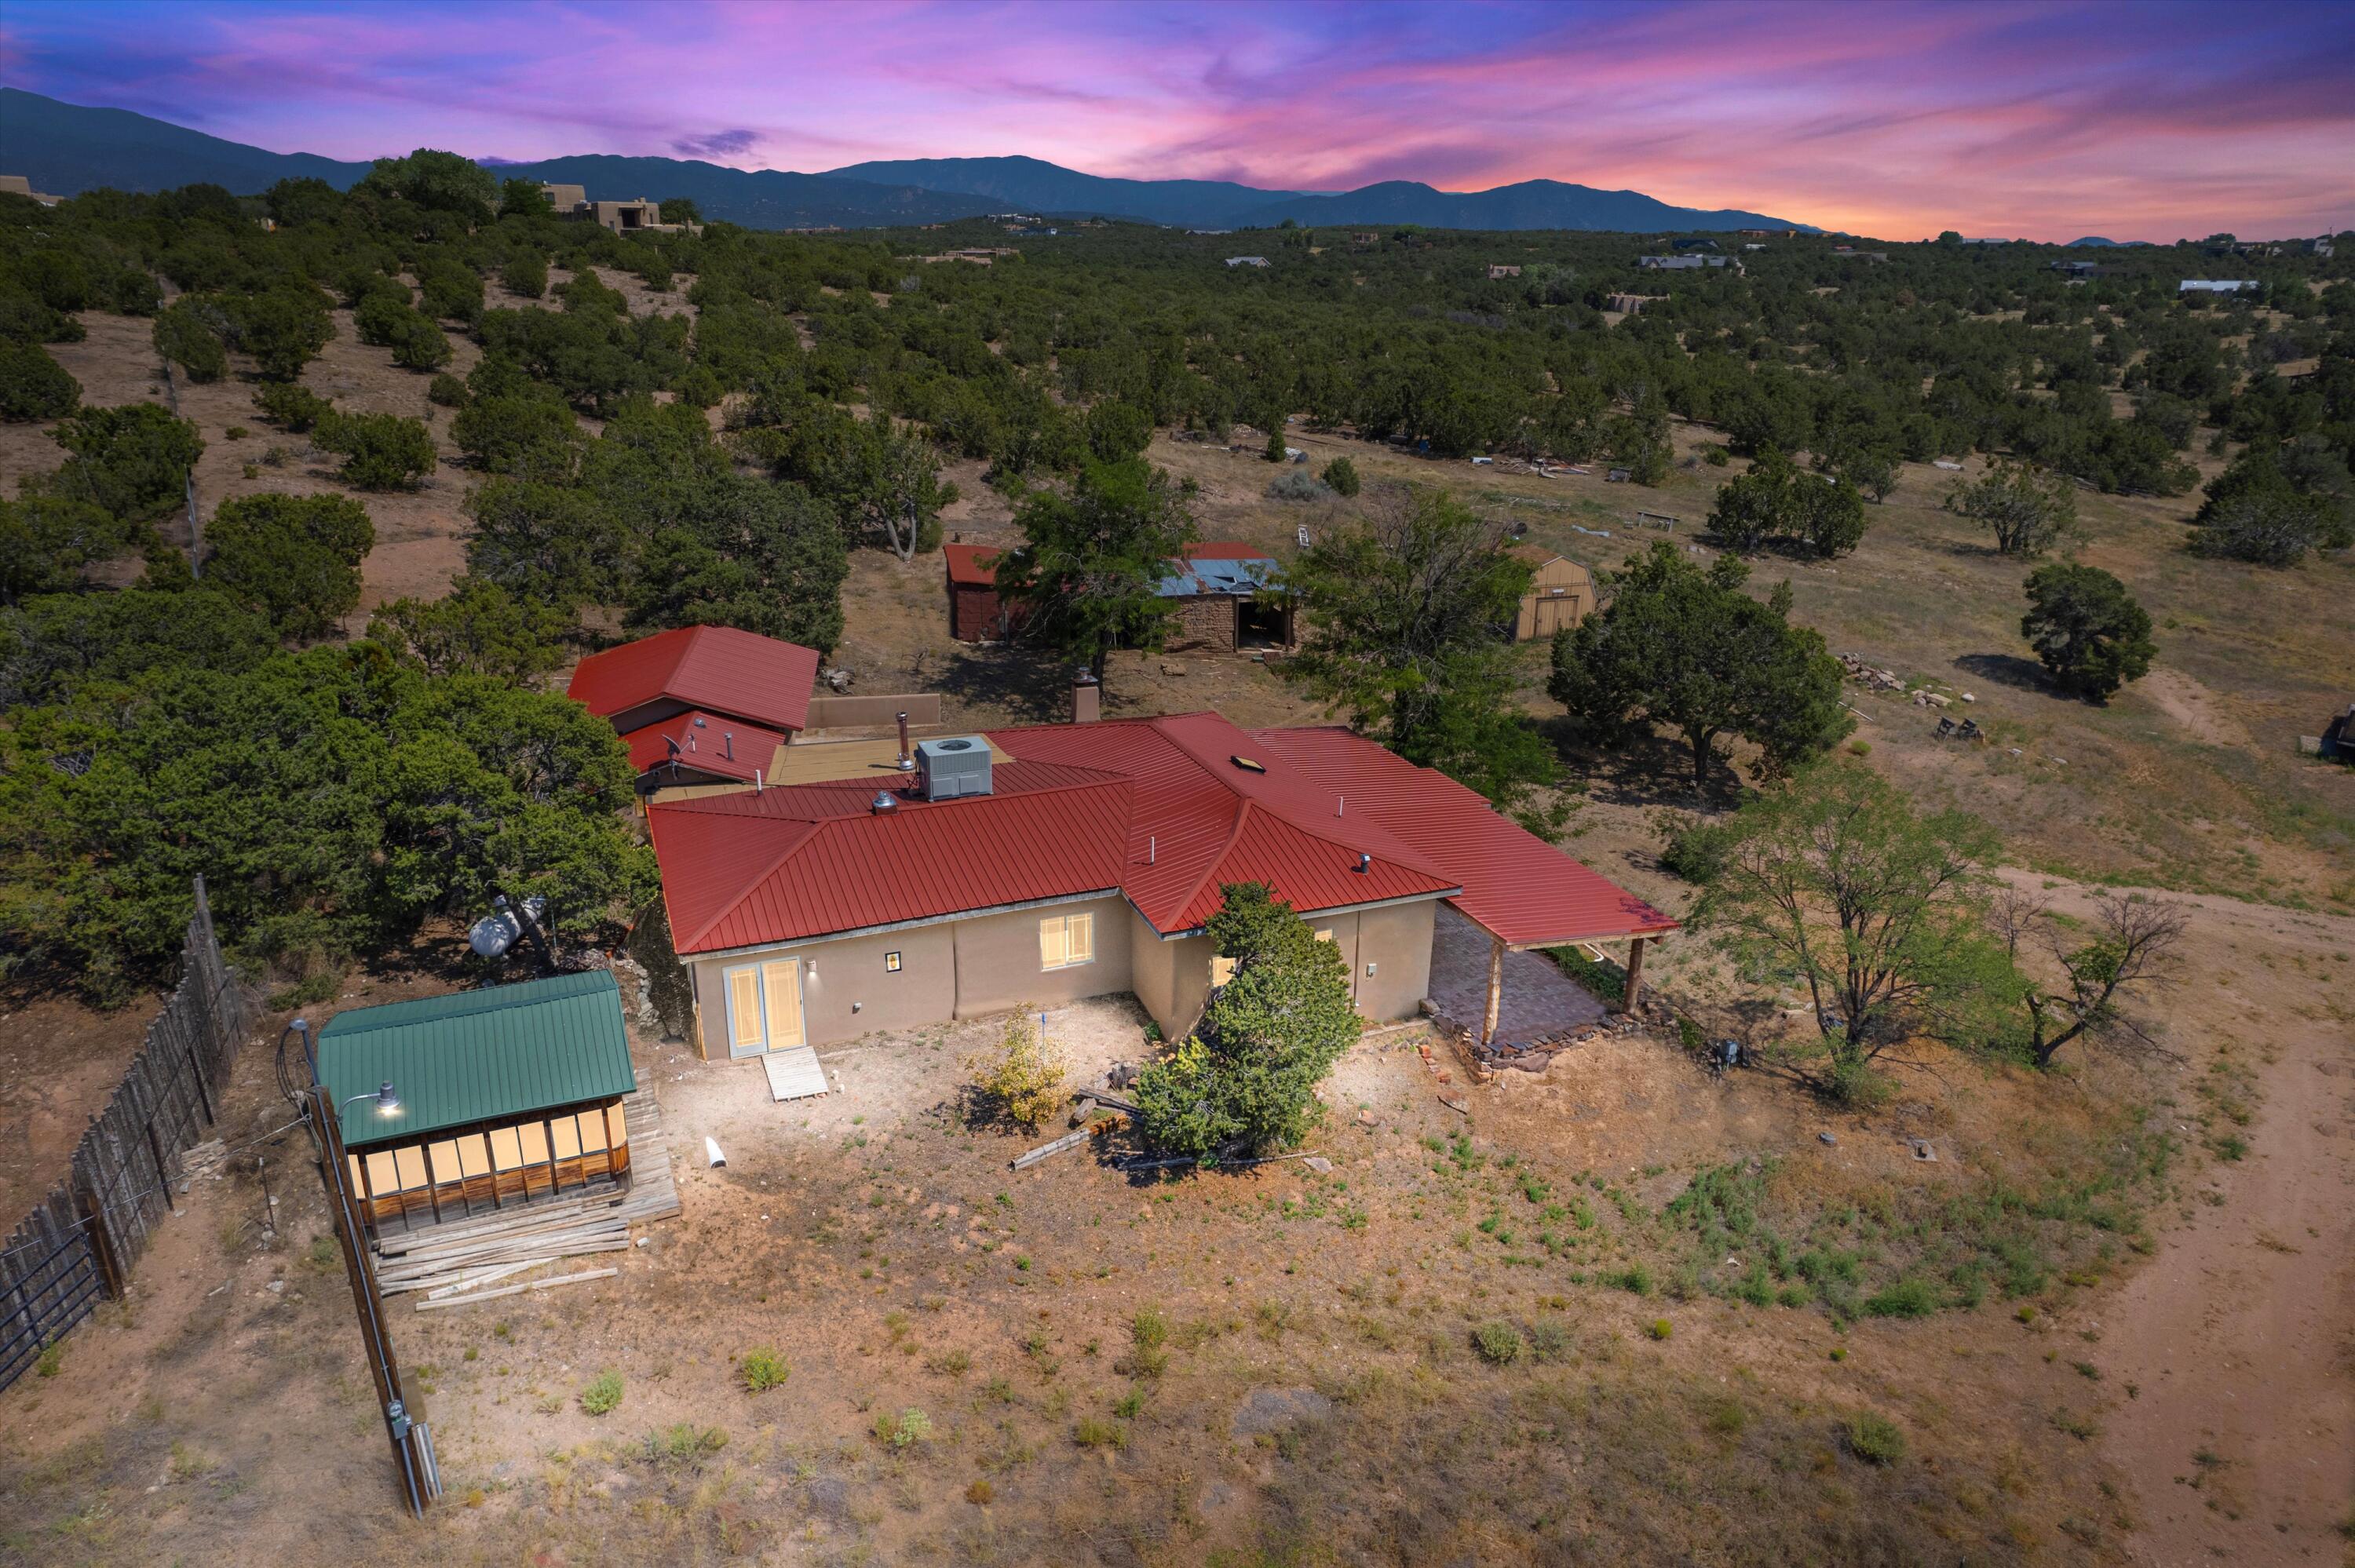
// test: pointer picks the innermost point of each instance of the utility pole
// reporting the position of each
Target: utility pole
(412, 1444)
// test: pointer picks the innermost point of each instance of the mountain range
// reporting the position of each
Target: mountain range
(69, 148)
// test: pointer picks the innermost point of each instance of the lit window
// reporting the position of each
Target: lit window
(1066, 941)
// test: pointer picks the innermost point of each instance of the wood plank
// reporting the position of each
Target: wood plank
(517, 1289)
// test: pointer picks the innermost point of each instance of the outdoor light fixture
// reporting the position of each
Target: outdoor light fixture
(387, 1098)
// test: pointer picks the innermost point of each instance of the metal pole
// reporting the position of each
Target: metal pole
(333, 1170)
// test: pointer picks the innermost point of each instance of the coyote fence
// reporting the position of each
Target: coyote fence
(79, 1243)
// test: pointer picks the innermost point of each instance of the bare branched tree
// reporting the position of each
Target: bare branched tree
(2133, 951)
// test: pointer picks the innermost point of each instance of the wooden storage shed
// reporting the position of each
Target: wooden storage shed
(509, 1096)
(1561, 593)
(975, 613)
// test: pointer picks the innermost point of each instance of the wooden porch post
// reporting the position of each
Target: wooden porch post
(1496, 990)
(1634, 974)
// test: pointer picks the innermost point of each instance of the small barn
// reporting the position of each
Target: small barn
(1560, 593)
(975, 613)
(507, 1096)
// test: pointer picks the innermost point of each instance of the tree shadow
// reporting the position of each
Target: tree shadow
(1015, 680)
(2008, 670)
(1641, 767)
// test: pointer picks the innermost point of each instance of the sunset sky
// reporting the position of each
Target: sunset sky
(2135, 120)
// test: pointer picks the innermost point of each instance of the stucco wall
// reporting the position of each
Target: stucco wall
(998, 959)
(1397, 941)
(956, 968)
(1172, 979)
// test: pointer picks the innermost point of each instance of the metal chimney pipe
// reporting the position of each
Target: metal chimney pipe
(756, 781)
(727, 744)
(1365, 862)
(907, 758)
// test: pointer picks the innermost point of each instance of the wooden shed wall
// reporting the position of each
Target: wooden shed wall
(481, 1169)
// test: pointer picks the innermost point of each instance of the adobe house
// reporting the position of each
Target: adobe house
(639, 216)
(1560, 594)
(1037, 866)
(566, 199)
(508, 1096)
(700, 704)
(1499, 271)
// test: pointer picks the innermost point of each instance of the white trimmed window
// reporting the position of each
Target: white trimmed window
(1066, 941)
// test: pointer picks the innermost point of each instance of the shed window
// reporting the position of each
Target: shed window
(1066, 941)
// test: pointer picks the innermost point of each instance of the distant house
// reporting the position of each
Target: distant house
(1247, 262)
(1694, 244)
(1767, 233)
(1497, 271)
(1678, 263)
(1753, 246)
(19, 185)
(567, 200)
(700, 704)
(1560, 594)
(1632, 304)
(639, 216)
(2216, 285)
(1366, 240)
(2321, 245)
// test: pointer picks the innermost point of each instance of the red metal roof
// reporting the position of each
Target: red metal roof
(972, 565)
(746, 870)
(1516, 885)
(708, 743)
(1159, 809)
(716, 668)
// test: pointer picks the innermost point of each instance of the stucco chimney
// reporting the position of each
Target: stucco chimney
(1087, 698)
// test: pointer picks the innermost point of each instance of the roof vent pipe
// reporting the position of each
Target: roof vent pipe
(1340, 805)
(727, 744)
(907, 762)
(1365, 862)
(756, 781)
(884, 803)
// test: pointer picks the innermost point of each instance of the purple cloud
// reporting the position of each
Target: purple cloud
(719, 144)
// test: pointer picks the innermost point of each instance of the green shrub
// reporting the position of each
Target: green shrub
(1023, 1075)
(1499, 1342)
(1299, 484)
(1875, 1439)
(1635, 1278)
(380, 452)
(1912, 1297)
(295, 558)
(525, 275)
(186, 333)
(1605, 980)
(130, 461)
(446, 390)
(1095, 1431)
(1548, 1339)
(1659, 1329)
(291, 405)
(1341, 474)
(603, 1393)
(34, 385)
(52, 1359)
(903, 1430)
(763, 1369)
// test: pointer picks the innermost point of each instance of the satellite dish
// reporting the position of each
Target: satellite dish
(495, 933)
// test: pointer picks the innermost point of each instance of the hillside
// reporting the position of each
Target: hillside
(1033, 184)
(1532, 204)
(68, 149)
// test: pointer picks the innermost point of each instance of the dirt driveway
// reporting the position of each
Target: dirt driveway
(2236, 1345)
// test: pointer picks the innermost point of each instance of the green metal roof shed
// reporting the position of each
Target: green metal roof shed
(478, 1055)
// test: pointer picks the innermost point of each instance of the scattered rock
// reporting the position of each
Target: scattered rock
(1457, 1103)
(1825, 1138)
(1269, 1410)
(1173, 668)
(1318, 1163)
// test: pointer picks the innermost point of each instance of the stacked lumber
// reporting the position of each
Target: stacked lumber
(452, 1263)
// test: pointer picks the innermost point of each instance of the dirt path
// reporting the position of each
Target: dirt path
(2236, 1345)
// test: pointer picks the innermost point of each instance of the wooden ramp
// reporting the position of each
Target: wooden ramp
(454, 1264)
(794, 1075)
